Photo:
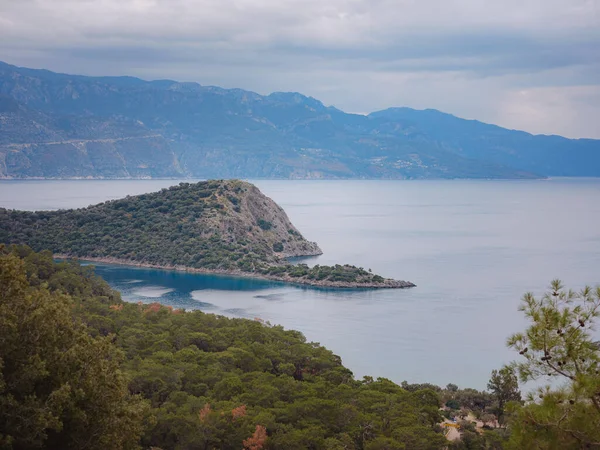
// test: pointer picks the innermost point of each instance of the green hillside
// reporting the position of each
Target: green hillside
(223, 226)
(84, 370)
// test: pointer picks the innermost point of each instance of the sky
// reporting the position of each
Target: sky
(524, 64)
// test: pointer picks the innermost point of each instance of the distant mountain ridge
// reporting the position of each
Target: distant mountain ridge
(70, 126)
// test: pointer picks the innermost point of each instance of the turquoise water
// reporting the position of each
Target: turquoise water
(472, 247)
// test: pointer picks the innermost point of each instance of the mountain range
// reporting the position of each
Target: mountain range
(55, 125)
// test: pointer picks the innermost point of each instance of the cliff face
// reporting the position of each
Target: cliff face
(274, 226)
(247, 214)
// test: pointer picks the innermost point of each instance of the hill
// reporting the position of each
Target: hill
(213, 226)
(62, 126)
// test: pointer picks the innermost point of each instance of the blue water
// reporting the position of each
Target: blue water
(472, 247)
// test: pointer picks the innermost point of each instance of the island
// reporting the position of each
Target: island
(217, 226)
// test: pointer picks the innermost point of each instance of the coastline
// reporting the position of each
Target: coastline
(386, 284)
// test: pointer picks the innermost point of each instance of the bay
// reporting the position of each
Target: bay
(472, 247)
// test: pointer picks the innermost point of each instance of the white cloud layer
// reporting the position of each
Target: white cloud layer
(526, 64)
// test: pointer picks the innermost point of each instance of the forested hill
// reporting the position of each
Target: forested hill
(225, 226)
(55, 125)
(83, 370)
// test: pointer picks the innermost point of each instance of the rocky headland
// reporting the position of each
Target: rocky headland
(219, 226)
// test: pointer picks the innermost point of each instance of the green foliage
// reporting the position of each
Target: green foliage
(60, 387)
(264, 224)
(452, 404)
(178, 226)
(326, 274)
(419, 386)
(558, 345)
(214, 382)
(473, 400)
(505, 388)
(487, 440)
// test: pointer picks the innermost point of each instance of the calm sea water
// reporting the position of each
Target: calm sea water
(472, 247)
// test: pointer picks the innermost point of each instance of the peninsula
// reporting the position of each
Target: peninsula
(217, 226)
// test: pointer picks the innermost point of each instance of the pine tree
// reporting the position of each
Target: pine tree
(558, 346)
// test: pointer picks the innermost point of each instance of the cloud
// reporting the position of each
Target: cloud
(474, 58)
(551, 107)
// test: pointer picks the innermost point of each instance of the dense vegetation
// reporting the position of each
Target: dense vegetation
(225, 226)
(559, 346)
(174, 227)
(337, 273)
(61, 383)
(80, 368)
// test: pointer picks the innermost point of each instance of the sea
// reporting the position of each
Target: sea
(473, 248)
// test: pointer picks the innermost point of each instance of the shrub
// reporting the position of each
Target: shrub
(264, 224)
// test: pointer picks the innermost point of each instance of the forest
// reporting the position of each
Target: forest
(81, 369)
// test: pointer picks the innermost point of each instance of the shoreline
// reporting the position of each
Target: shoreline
(388, 283)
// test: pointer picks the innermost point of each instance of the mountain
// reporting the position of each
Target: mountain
(548, 155)
(223, 226)
(60, 126)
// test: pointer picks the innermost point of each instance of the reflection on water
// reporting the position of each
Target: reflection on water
(152, 291)
(179, 289)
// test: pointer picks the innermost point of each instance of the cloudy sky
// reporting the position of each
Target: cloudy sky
(525, 64)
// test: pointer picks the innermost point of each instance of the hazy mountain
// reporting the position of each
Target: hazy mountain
(548, 155)
(56, 125)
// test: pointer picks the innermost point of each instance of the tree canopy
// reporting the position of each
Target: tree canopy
(158, 377)
(504, 386)
(558, 346)
(60, 387)
(81, 369)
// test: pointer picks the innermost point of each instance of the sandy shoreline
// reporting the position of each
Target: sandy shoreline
(387, 284)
